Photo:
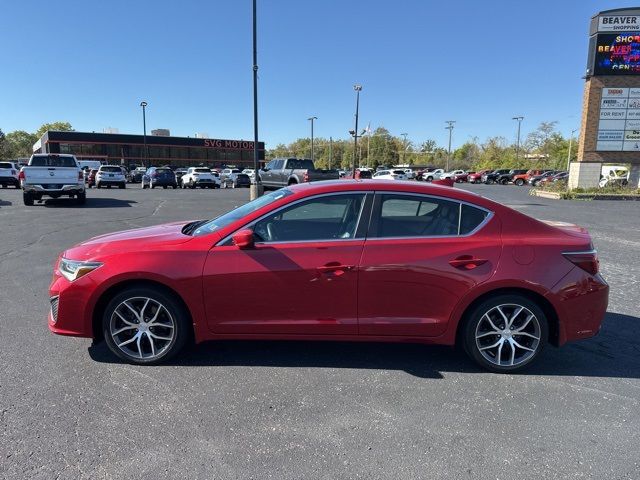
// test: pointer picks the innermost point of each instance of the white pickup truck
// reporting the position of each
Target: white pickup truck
(52, 175)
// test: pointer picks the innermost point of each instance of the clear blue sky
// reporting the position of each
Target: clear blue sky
(420, 63)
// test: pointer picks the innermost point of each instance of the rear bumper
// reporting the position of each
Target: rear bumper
(9, 181)
(111, 182)
(61, 190)
(581, 302)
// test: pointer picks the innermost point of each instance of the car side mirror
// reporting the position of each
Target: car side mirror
(265, 169)
(243, 239)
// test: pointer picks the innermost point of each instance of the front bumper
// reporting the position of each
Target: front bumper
(110, 181)
(68, 306)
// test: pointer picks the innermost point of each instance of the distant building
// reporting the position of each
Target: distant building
(162, 150)
(161, 132)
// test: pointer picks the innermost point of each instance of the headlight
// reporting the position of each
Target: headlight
(74, 269)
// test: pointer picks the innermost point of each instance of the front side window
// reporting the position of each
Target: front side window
(329, 217)
(420, 216)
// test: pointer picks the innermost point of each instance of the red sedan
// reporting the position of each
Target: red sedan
(328, 261)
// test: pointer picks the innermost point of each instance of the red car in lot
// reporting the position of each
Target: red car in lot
(476, 177)
(328, 261)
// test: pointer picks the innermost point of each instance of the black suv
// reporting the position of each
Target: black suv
(492, 177)
(506, 178)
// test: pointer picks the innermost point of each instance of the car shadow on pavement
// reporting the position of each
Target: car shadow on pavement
(4, 203)
(614, 353)
(91, 203)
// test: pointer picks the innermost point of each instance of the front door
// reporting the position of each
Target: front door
(300, 278)
(420, 258)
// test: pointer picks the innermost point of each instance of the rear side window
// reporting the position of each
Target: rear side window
(418, 216)
(52, 161)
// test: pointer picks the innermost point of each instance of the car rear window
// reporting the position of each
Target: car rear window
(5, 165)
(111, 169)
(52, 161)
(164, 170)
(202, 170)
(399, 172)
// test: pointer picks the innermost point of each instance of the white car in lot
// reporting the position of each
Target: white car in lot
(52, 175)
(199, 177)
(390, 175)
(410, 173)
(251, 172)
(111, 176)
(433, 175)
(452, 174)
(9, 174)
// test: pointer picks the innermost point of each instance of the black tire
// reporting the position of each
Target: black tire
(429, 179)
(81, 198)
(27, 198)
(183, 332)
(98, 185)
(164, 187)
(504, 181)
(488, 181)
(124, 185)
(519, 182)
(152, 185)
(475, 322)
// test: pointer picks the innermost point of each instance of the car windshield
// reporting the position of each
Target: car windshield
(52, 161)
(230, 217)
(111, 169)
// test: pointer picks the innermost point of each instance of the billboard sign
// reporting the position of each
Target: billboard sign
(617, 54)
(618, 23)
(619, 124)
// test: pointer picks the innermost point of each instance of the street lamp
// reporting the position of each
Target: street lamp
(450, 128)
(255, 191)
(358, 89)
(312, 152)
(519, 119)
(143, 104)
(569, 154)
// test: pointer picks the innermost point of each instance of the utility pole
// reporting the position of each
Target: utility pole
(358, 89)
(519, 119)
(312, 152)
(404, 147)
(450, 128)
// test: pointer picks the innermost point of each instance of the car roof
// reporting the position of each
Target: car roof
(367, 185)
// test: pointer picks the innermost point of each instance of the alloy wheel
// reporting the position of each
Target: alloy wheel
(508, 335)
(142, 328)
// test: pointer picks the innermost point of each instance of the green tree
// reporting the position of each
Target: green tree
(19, 144)
(58, 126)
(3, 145)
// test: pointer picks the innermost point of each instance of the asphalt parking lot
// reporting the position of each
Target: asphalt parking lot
(306, 410)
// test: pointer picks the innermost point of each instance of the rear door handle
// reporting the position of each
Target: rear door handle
(467, 262)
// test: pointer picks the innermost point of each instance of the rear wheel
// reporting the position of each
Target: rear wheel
(504, 181)
(505, 333)
(122, 185)
(429, 179)
(519, 182)
(98, 185)
(27, 198)
(145, 325)
(81, 198)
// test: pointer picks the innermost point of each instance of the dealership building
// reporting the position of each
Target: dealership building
(128, 150)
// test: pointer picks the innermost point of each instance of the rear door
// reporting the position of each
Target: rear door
(421, 256)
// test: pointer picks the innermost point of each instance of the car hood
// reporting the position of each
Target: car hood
(139, 239)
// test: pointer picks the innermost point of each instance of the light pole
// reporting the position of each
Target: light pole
(450, 128)
(330, 151)
(311, 119)
(358, 89)
(570, 142)
(143, 104)
(519, 119)
(404, 146)
(255, 190)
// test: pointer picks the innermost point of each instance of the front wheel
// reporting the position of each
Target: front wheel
(519, 182)
(145, 325)
(505, 333)
(429, 179)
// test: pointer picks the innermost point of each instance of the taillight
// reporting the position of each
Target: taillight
(305, 177)
(587, 261)
(80, 175)
(21, 175)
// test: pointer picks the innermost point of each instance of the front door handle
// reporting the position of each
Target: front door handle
(467, 262)
(335, 268)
